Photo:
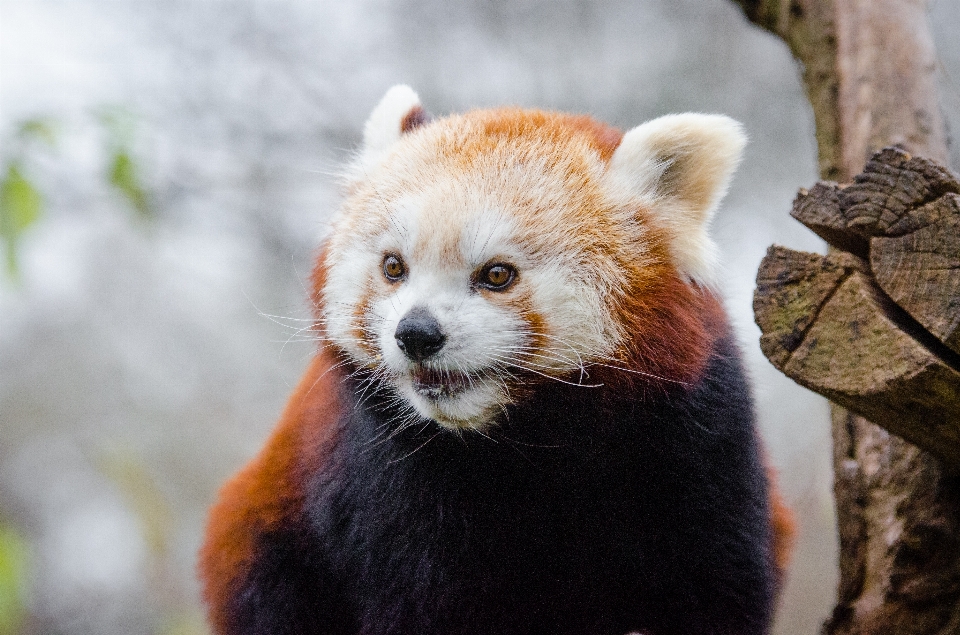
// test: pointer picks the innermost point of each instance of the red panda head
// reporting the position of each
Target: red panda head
(479, 255)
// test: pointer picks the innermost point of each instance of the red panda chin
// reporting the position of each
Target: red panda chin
(456, 402)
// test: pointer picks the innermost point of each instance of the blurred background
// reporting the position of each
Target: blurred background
(166, 174)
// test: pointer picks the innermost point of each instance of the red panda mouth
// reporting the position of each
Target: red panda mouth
(436, 384)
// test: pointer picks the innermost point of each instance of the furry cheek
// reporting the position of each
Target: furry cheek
(572, 322)
(348, 293)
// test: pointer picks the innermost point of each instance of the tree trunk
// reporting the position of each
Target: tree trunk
(869, 69)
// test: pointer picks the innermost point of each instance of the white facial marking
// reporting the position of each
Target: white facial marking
(457, 386)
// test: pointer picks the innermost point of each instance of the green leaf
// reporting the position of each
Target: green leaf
(13, 580)
(123, 173)
(20, 201)
(124, 176)
(42, 129)
(20, 206)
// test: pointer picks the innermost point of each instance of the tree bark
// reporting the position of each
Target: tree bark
(869, 70)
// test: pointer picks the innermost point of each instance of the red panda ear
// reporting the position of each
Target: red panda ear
(398, 112)
(678, 167)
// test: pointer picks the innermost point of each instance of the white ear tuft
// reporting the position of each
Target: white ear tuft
(386, 122)
(679, 167)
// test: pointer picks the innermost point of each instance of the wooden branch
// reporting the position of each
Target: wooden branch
(875, 325)
(904, 581)
(869, 69)
(827, 326)
(809, 28)
(903, 213)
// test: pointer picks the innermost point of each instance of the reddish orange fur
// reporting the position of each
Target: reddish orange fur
(605, 138)
(672, 324)
(268, 492)
(515, 123)
(784, 526)
(672, 327)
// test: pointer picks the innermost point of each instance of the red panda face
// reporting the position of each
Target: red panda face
(482, 254)
(458, 281)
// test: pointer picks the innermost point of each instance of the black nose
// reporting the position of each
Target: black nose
(418, 334)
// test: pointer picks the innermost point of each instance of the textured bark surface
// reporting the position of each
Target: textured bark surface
(870, 72)
(905, 581)
(836, 324)
(809, 29)
(869, 69)
(903, 213)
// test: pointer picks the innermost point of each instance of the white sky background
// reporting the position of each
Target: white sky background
(145, 343)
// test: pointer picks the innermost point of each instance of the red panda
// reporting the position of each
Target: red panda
(527, 413)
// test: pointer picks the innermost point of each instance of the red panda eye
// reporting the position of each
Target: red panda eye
(497, 277)
(393, 268)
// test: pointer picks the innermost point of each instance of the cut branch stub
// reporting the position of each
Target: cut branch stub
(828, 326)
(892, 184)
(875, 327)
(903, 213)
(920, 268)
(819, 209)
